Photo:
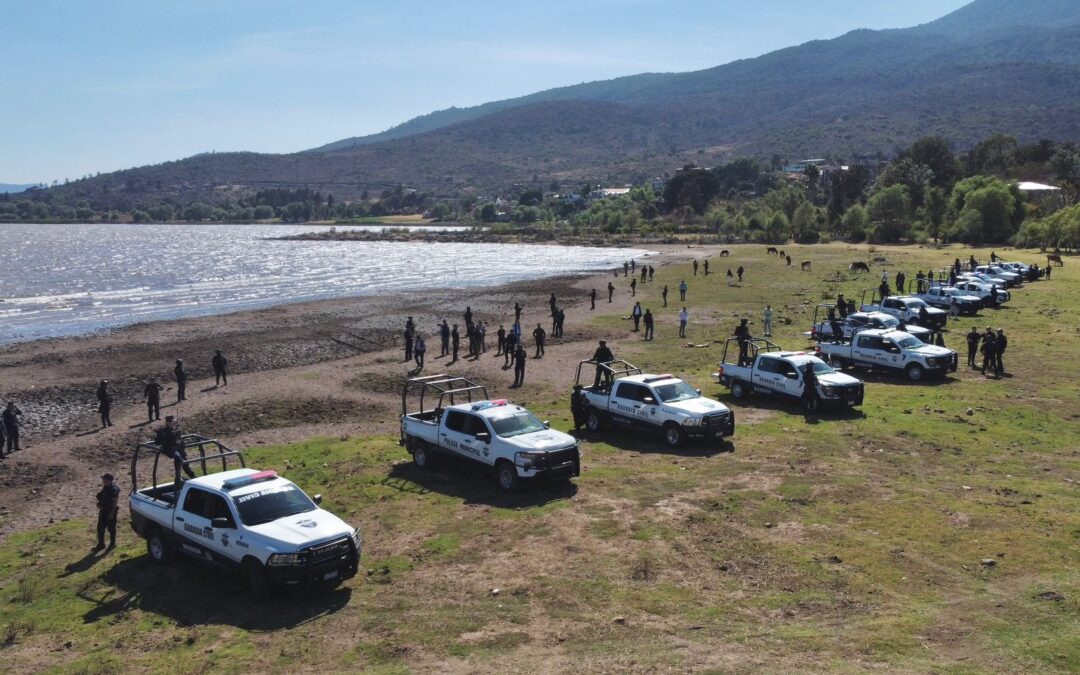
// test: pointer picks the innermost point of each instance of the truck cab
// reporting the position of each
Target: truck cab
(891, 350)
(942, 297)
(255, 522)
(908, 309)
(982, 290)
(1007, 277)
(774, 371)
(447, 415)
(629, 399)
(860, 321)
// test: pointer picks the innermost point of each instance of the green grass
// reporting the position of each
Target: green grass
(839, 543)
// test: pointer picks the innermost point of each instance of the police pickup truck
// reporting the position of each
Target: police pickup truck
(892, 350)
(771, 370)
(908, 309)
(630, 399)
(463, 422)
(982, 290)
(942, 297)
(252, 521)
(860, 321)
(1007, 277)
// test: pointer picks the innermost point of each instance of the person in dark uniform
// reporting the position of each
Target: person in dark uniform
(973, 340)
(810, 392)
(992, 300)
(520, 357)
(663, 294)
(509, 348)
(706, 265)
(152, 396)
(652, 271)
(924, 317)
(219, 363)
(999, 350)
(592, 299)
(11, 427)
(633, 287)
(467, 315)
(410, 331)
(501, 337)
(181, 381)
(740, 273)
(108, 506)
(560, 318)
(644, 273)
(444, 338)
(454, 337)
(989, 350)
(648, 319)
(841, 306)
(610, 291)
(168, 439)
(579, 407)
(742, 333)
(883, 289)
(957, 267)
(104, 403)
(518, 309)
(835, 327)
(602, 356)
(538, 337)
(695, 268)
(625, 268)
(901, 279)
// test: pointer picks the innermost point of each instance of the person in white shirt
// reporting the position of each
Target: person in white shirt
(684, 316)
(768, 316)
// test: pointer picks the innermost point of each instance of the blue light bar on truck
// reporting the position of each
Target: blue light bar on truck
(234, 483)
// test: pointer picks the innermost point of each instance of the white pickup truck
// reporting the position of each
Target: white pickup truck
(891, 350)
(252, 521)
(981, 289)
(942, 297)
(772, 370)
(909, 309)
(860, 321)
(630, 399)
(1007, 277)
(490, 433)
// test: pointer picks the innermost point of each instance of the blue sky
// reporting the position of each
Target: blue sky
(111, 84)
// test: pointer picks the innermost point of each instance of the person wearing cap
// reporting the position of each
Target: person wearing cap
(108, 505)
(219, 363)
(999, 349)
(181, 381)
(152, 396)
(602, 356)
(520, 357)
(168, 439)
(578, 406)
(742, 334)
(104, 403)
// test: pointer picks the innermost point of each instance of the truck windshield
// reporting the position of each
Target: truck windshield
(822, 368)
(910, 342)
(272, 503)
(516, 425)
(675, 392)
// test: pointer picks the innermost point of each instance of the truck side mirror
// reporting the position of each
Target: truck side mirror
(648, 400)
(221, 524)
(546, 423)
(317, 499)
(483, 436)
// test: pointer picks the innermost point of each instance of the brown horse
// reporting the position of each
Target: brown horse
(1054, 258)
(788, 260)
(782, 256)
(806, 266)
(771, 251)
(859, 267)
(725, 253)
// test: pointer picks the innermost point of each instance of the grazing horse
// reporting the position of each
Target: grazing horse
(724, 253)
(806, 266)
(782, 256)
(771, 251)
(859, 267)
(788, 260)
(1054, 258)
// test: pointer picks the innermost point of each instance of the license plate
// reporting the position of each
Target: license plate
(330, 575)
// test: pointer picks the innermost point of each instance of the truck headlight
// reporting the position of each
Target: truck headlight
(286, 559)
(828, 391)
(527, 459)
(357, 539)
(693, 421)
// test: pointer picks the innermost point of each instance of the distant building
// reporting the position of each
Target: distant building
(657, 184)
(800, 167)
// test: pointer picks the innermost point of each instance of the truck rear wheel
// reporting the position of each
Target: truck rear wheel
(674, 435)
(421, 454)
(506, 475)
(257, 581)
(158, 548)
(739, 389)
(594, 422)
(915, 372)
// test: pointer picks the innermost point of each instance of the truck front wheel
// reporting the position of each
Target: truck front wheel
(674, 435)
(915, 372)
(594, 422)
(506, 475)
(158, 547)
(257, 581)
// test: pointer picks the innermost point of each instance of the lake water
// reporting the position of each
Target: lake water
(61, 280)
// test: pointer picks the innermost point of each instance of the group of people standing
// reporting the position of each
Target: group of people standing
(152, 389)
(991, 345)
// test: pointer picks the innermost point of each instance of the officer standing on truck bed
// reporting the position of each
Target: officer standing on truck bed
(578, 407)
(602, 356)
(108, 505)
(169, 439)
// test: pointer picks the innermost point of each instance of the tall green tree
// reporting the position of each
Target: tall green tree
(890, 210)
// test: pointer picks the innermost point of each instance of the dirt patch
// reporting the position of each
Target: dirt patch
(19, 475)
(255, 415)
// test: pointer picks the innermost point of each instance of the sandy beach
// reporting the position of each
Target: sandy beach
(331, 367)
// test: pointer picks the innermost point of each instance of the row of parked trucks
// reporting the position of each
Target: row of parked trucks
(261, 524)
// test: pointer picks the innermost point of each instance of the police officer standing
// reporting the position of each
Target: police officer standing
(181, 381)
(999, 350)
(989, 350)
(104, 403)
(501, 336)
(648, 319)
(578, 407)
(108, 505)
(663, 295)
(810, 392)
(410, 330)
(454, 337)
(11, 427)
(592, 299)
(519, 365)
(152, 396)
(444, 335)
(636, 314)
(538, 337)
(973, 339)
(419, 349)
(610, 291)
(509, 348)
(219, 364)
